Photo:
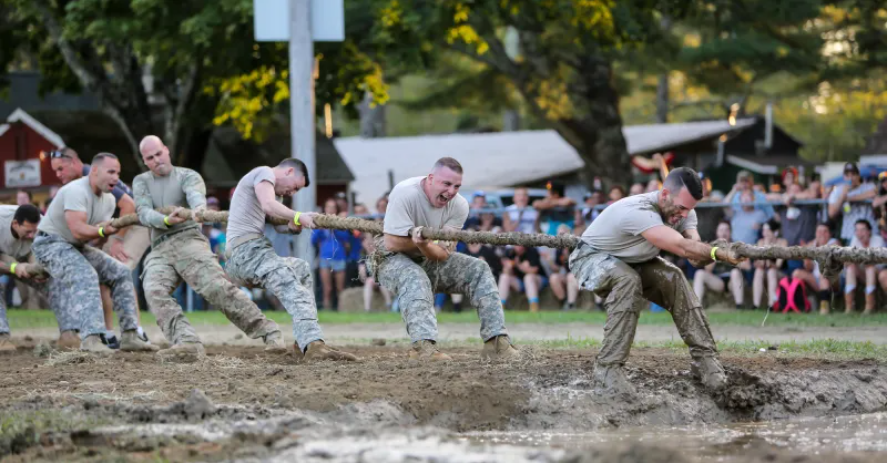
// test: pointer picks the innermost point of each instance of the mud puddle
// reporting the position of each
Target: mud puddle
(863, 436)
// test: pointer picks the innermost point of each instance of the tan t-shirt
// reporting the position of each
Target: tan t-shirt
(76, 196)
(245, 215)
(182, 187)
(617, 231)
(11, 246)
(409, 207)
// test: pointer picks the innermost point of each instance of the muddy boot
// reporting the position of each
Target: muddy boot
(69, 340)
(427, 350)
(274, 343)
(611, 379)
(93, 344)
(318, 350)
(5, 344)
(185, 352)
(499, 348)
(130, 342)
(824, 307)
(710, 372)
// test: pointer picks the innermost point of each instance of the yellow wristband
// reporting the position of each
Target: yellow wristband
(166, 221)
(712, 253)
(12, 267)
(296, 218)
(102, 232)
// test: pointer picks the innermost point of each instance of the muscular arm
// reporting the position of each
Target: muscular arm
(672, 241)
(405, 244)
(77, 223)
(127, 206)
(692, 234)
(145, 205)
(272, 208)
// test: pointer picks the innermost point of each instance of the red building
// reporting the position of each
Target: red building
(25, 144)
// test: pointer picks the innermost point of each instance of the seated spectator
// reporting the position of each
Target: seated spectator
(715, 275)
(519, 217)
(636, 189)
(381, 206)
(863, 238)
(767, 269)
(744, 184)
(555, 208)
(522, 271)
(332, 249)
(746, 220)
(479, 201)
(810, 272)
(368, 245)
(615, 194)
(563, 283)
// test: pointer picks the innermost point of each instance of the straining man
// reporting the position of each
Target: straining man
(618, 260)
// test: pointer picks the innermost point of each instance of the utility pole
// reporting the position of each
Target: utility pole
(302, 121)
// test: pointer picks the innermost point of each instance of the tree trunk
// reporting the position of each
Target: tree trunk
(191, 149)
(663, 98)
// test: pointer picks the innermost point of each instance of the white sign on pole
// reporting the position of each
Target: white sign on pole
(22, 173)
(271, 20)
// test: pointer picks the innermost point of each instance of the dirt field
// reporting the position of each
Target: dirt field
(240, 404)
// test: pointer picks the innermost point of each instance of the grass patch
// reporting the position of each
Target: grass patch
(22, 319)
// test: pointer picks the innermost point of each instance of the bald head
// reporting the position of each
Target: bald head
(156, 155)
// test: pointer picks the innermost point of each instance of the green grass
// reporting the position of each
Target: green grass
(21, 319)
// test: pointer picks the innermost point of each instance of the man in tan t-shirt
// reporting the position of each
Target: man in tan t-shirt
(618, 260)
(414, 269)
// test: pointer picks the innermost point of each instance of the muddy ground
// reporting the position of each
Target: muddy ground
(240, 404)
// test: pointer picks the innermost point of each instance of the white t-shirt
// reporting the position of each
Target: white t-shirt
(11, 246)
(76, 196)
(409, 207)
(852, 212)
(875, 241)
(525, 219)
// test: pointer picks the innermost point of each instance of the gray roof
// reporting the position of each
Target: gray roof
(500, 159)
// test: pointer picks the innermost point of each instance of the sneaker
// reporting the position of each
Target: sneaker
(427, 350)
(499, 348)
(274, 343)
(612, 379)
(5, 344)
(318, 350)
(110, 341)
(69, 339)
(710, 372)
(93, 344)
(130, 342)
(185, 352)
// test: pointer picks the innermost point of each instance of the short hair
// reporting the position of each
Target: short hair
(449, 163)
(864, 222)
(687, 178)
(726, 222)
(100, 158)
(27, 213)
(298, 166)
(67, 150)
(773, 225)
(30, 196)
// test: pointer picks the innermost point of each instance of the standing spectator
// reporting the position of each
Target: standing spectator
(588, 213)
(23, 197)
(381, 206)
(810, 272)
(563, 283)
(715, 275)
(361, 210)
(744, 184)
(842, 200)
(863, 238)
(767, 269)
(747, 220)
(342, 203)
(519, 217)
(331, 254)
(798, 223)
(880, 199)
(615, 194)
(369, 246)
(555, 208)
(522, 271)
(636, 189)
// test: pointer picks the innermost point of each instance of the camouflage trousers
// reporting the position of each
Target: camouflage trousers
(626, 290)
(65, 323)
(187, 256)
(415, 280)
(74, 277)
(255, 264)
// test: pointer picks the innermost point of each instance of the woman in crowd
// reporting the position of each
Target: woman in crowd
(810, 272)
(563, 283)
(767, 269)
(715, 275)
(331, 246)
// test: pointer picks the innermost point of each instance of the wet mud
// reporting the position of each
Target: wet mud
(240, 404)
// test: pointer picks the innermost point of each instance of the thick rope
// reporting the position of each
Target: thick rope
(830, 258)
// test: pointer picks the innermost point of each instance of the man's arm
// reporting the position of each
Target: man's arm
(692, 234)
(413, 244)
(195, 189)
(83, 231)
(508, 225)
(127, 206)
(672, 241)
(145, 205)
(836, 199)
(871, 193)
(272, 208)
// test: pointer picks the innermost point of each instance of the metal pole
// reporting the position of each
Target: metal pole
(302, 126)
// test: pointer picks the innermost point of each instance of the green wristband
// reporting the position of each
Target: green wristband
(712, 253)
(12, 267)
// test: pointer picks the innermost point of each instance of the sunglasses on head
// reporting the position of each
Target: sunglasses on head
(58, 154)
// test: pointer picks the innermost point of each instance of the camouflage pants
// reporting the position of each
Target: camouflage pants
(415, 282)
(187, 256)
(626, 289)
(75, 274)
(254, 263)
(64, 323)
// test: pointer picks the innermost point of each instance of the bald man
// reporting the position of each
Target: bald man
(179, 251)
(81, 213)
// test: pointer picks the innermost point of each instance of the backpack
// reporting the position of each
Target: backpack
(791, 295)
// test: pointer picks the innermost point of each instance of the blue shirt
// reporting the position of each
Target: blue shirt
(331, 243)
(759, 198)
(356, 246)
(745, 225)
